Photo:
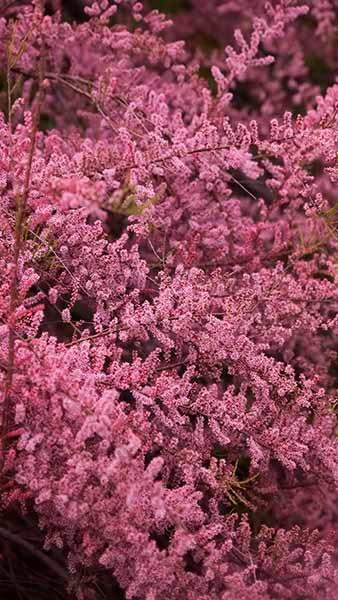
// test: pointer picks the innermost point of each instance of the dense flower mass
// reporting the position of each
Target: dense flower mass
(168, 292)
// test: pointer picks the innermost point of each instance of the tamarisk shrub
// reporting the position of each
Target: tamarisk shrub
(168, 292)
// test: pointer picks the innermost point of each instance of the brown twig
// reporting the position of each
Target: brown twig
(19, 229)
(49, 562)
(11, 4)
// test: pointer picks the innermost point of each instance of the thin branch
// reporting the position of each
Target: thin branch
(19, 228)
(49, 562)
(62, 263)
(45, 242)
(103, 333)
(10, 4)
(172, 366)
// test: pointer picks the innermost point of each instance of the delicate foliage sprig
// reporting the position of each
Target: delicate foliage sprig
(168, 294)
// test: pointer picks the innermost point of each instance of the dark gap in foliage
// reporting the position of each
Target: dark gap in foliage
(279, 471)
(92, 441)
(72, 10)
(308, 21)
(174, 480)
(200, 380)
(127, 351)
(82, 311)
(310, 416)
(223, 507)
(203, 502)
(314, 168)
(193, 418)
(46, 122)
(241, 185)
(205, 73)
(243, 468)
(150, 455)
(193, 564)
(115, 224)
(111, 450)
(319, 71)
(308, 256)
(323, 276)
(105, 584)
(181, 370)
(333, 371)
(172, 7)
(242, 98)
(82, 314)
(219, 451)
(53, 324)
(127, 397)
(226, 377)
(23, 575)
(161, 405)
(150, 414)
(162, 539)
(250, 399)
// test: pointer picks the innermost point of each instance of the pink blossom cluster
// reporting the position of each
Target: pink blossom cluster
(168, 292)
